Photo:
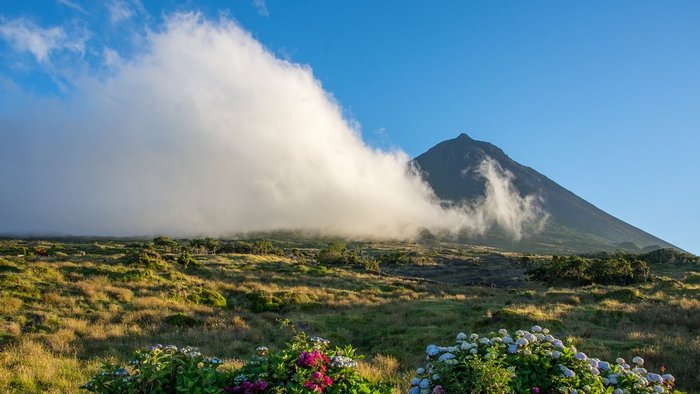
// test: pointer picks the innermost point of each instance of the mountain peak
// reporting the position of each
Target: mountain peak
(575, 225)
(464, 136)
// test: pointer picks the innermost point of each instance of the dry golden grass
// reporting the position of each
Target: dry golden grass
(91, 310)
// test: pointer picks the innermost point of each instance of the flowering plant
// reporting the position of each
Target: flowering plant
(160, 369)
(529, 362)
(305, 365)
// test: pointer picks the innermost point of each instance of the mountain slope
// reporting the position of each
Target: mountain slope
(575, 225)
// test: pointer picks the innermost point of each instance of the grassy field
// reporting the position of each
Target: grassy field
(63, 314)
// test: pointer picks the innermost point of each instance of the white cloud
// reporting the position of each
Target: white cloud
(119, 10)
(73, 5)
(209, 133)
(111, 58)
(261, 6)
(25, 36)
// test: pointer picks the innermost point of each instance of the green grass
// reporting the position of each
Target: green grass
(62, 315)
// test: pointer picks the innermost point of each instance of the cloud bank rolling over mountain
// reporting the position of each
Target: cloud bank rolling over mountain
(207, 132)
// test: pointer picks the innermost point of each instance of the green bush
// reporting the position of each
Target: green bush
(181, 320)
(304, 365)
(200, 295)
(161, 369)
(145, 257)
(529, 362)
(262, 301)
(579, 270)
(186, 260)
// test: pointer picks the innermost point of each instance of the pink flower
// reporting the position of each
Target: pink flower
(536, 390)
(439, 390)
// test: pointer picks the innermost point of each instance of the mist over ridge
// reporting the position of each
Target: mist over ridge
(207, 132)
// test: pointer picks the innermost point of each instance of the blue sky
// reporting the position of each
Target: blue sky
(602, 97)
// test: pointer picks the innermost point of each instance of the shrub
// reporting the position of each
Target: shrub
(529, 362)
(181, 320)
(145, 257)
(186, 260)
(200, 295)
(161, 369)
(262, 301)
(304, 365)
(583, 271)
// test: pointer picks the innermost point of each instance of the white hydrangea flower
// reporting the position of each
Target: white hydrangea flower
(503, 332)
(618, 391)
(522, 342)
(620, 360)
(638, 360)
(461, 336)
(581, 356)
(536, 328)
(669, 377)
(519, 333)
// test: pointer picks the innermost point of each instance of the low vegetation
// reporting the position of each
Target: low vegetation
(76, 305)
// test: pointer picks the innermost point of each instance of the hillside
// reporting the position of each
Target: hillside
(575, 225)
(67, 307)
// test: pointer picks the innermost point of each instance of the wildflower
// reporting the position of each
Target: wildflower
(343, 362)
(424, 384)
(432, 350)
(446, 356)
(262, 351)
(120, 372)
(535, 390)
(319, 340)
